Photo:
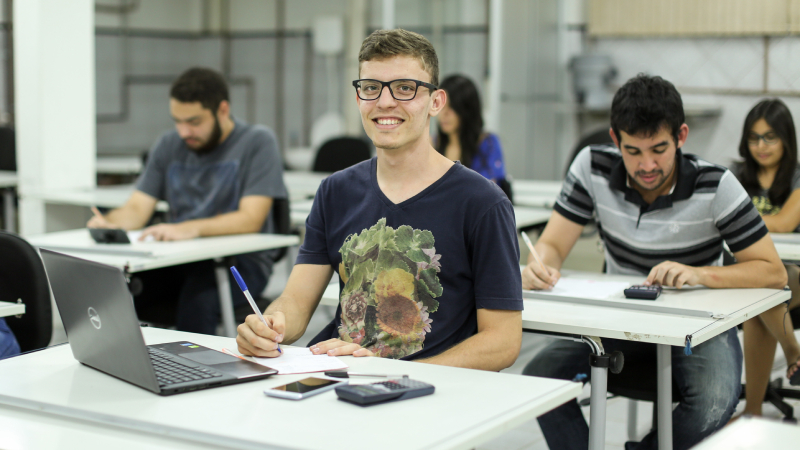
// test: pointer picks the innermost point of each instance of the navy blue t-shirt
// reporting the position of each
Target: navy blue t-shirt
(413, 274)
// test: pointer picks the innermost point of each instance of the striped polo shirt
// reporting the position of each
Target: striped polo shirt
(688, 225)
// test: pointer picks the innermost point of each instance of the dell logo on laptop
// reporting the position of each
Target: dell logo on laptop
(94, 318)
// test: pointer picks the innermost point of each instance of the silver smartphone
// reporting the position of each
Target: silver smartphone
(304, 388)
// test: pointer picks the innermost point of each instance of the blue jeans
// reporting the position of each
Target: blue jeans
(709, 381)
(188, 297)
(8, 343)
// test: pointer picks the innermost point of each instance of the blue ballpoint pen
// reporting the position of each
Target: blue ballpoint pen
(249, 297)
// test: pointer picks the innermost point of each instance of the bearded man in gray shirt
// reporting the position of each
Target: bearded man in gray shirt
(219, 176)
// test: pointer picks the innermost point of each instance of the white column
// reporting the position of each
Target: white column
(354, 35)
(388, 22)
(493, 97)
(54, 87)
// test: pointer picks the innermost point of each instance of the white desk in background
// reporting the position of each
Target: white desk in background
(536, 193)
(545, 312)
(788, 247)
(119, 165)
(11, 309)
(753, 433)
(525, 216)
(112, 196)
(8, 181)
(468, 408)
(142, 256)
(302, 185)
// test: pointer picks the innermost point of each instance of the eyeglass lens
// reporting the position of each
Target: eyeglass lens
(769, 139)
(401, 89)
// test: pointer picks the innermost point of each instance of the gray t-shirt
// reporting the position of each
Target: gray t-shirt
(202, 186)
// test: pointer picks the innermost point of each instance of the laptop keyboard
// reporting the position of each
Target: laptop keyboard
(169, 371)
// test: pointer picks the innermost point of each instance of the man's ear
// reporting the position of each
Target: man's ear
(224, 109)
(683, 133)
(613, 137)
(438, 100)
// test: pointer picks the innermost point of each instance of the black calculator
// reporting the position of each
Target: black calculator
(642, 292)
(384, 391)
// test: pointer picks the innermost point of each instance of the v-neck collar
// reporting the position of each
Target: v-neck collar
(395, 206)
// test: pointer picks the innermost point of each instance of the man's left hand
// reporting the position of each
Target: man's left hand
(338, 347)
(170, 232)
(670, 273)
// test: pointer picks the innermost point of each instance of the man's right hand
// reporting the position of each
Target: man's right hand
(99, 221)
(256, 339)
(534, 277)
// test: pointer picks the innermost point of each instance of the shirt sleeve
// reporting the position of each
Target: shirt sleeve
(263, 173)
(494, 157)
(575, 202)
(495, 260)
(735, 215)
(154, 178)
(314, 249)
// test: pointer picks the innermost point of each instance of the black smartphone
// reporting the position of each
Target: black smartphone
(109, 236)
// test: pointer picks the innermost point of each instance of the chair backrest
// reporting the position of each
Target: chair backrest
(22, 276)
(341, 153)
(599, 136)
(8, 149)
(281, 214)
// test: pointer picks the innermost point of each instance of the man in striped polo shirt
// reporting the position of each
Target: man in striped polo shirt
(662, 214)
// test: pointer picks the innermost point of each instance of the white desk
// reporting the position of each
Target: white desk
(536, 193)
(468, 408)
(102, 196)
(788, 246)
(141, 256)
(753, 434)
(302, 185)
(119, 165)
(8, 180)
(11, 309)
(525, 216)
(546, 313)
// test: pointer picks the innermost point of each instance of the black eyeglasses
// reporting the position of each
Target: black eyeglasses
(769, 139)
(402, 90)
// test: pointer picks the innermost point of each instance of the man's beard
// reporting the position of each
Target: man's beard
(212, 142)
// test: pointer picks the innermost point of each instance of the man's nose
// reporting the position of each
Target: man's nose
(386, 100)
(184, 131)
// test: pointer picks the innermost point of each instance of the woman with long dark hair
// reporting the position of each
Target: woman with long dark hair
(461, 136)
(769, 173)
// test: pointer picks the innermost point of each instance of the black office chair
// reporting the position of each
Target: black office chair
(22, 277)
(283, 225)
(341, 153)
(599, 136)
(8, 149)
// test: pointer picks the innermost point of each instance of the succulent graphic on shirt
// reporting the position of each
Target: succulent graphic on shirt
(390, 289)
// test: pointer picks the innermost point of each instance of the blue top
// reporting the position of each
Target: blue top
(413, 274)
(489, 159)
(8, 343)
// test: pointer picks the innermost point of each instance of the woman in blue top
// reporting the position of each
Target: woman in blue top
(770, 175)
(461, 136)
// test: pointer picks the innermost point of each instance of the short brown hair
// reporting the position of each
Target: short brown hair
(398, 42)
(203, 85)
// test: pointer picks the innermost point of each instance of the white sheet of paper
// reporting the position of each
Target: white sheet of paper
(571, 287)
(301, 360)
(134, 236)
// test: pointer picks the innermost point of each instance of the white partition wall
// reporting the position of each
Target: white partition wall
(55, 105)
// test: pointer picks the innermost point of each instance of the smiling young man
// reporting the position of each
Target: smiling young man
(426, 250)
(663, 215)
(219, 176)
